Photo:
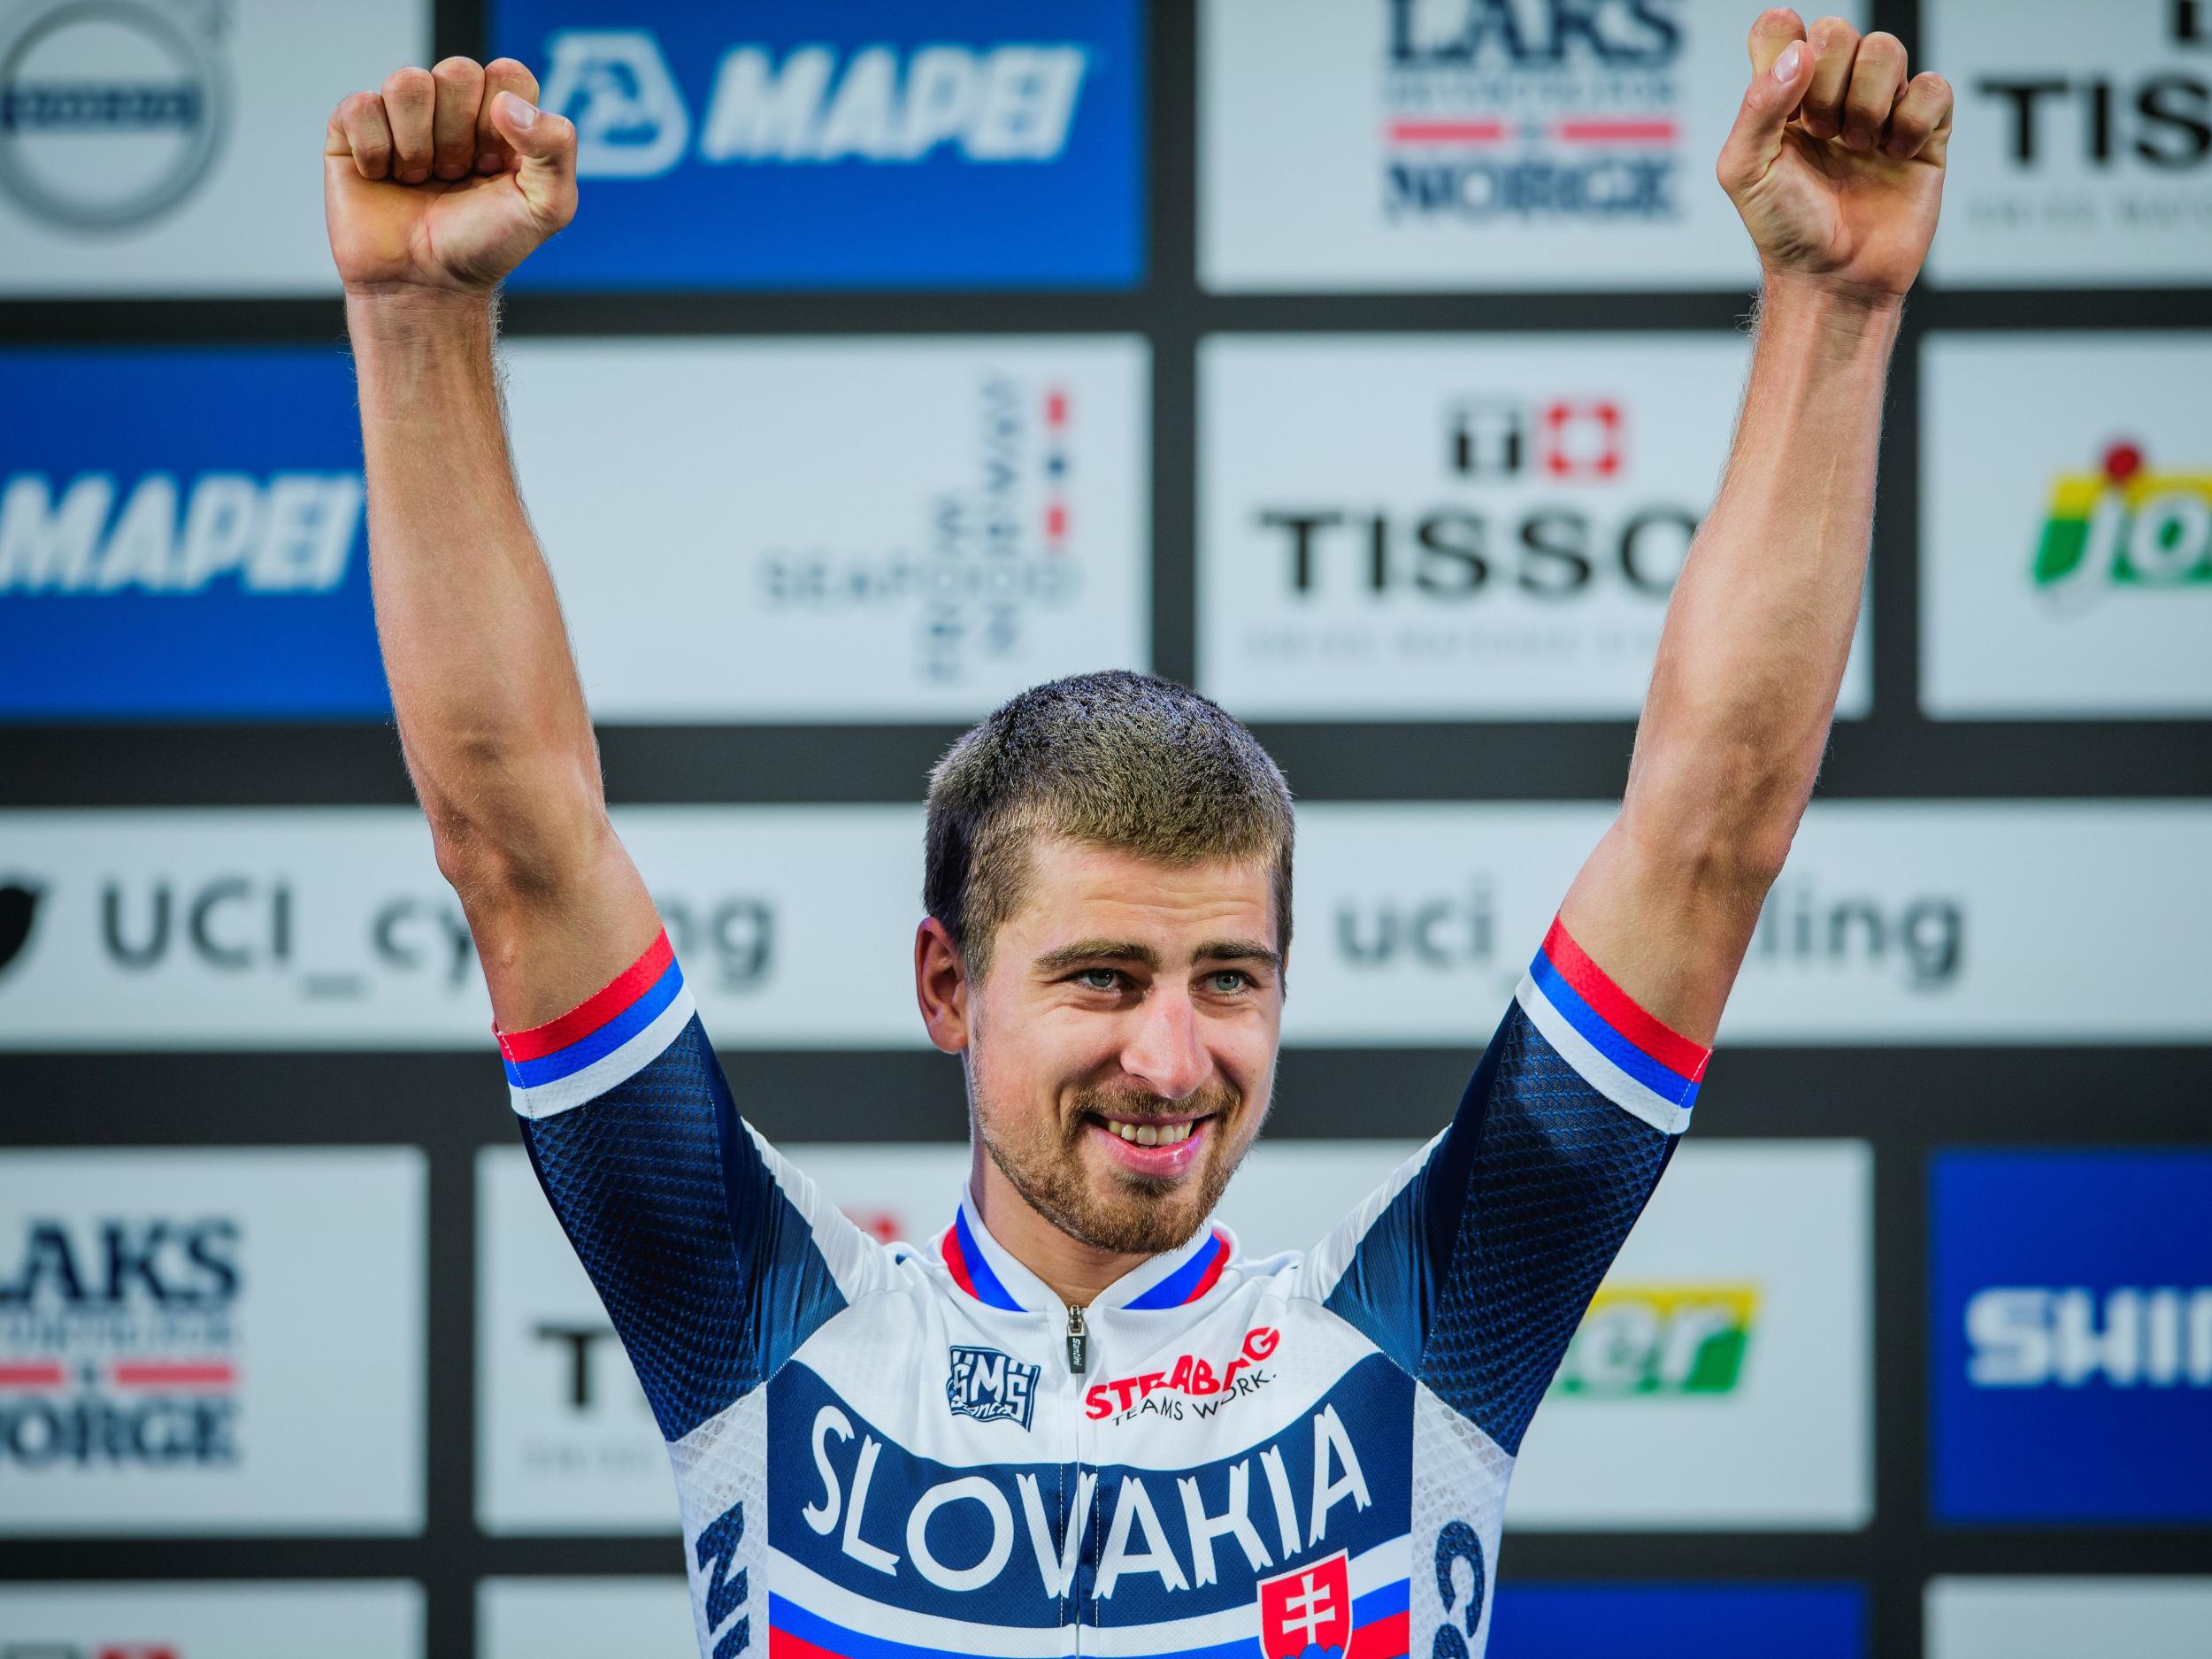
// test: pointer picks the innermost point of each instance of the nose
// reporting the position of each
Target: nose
(1163, 1051)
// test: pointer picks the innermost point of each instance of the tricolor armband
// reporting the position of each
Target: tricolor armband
(602, 1041)
(1640, 1065)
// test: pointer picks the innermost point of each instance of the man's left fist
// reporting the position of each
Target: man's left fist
(1836, 159)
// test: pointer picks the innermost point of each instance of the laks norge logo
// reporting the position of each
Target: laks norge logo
(1552, 110)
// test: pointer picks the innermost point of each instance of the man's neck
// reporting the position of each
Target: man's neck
(1071, 1269)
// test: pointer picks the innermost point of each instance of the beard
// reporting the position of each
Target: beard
(1043, 1160)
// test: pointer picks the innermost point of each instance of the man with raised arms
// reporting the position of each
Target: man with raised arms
(1078, 1420)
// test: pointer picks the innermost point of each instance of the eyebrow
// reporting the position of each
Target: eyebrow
(1129, 950)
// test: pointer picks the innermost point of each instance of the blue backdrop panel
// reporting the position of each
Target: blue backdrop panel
(181, 537)
(970, 143)
(2073, 1347)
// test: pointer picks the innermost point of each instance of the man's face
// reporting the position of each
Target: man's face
(1127, 1002)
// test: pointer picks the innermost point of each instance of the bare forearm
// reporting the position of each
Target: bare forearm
(491, 713)
(1762, 619)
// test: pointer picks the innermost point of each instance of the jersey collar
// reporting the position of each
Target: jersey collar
(985, 1270)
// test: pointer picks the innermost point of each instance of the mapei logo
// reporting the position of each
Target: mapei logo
(1663, 1340)
(1013, 102)
(289, 533)
(990, 1386)
(110, 114)
(2125, 528)
(2061, 1337)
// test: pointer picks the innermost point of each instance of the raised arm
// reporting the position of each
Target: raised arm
(435, 187)
(1836, 163)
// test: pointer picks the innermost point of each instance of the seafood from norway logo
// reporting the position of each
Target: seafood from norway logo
(990, 1386)
(986, 554)
(2124, 527)
(1531, 110)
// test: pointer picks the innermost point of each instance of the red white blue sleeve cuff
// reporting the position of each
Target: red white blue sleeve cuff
(602, 1041)
(1643, 1066)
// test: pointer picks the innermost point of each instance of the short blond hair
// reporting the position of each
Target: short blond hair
(1115, 759)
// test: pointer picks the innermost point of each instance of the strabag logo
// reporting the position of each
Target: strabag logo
(288, 532)
(1013, 102)
(1205, 1384)
(986, 554)
(110, 111)
(1532, 109)
(116, 1343)
(1661, 1339)
(2123, 528)
(990, 1386)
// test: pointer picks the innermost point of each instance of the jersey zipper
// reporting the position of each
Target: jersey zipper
(1079, 1341)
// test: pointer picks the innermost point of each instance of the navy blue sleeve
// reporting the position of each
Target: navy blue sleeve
(1473, 1266)
(711, 1274)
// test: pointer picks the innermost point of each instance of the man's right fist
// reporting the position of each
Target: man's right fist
(445, 178)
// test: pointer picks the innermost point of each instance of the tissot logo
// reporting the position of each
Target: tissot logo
(2161, 117)
(990, 1386)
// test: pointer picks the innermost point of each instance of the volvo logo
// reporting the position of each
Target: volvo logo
(110, 111)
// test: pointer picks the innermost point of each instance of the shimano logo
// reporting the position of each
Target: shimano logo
(2036, 1337)
(990, 1386)
(1010, 103)
(290, 533)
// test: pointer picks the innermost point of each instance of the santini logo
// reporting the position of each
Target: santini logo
(2037, 1337)
(990, 1386)
(1006, 103)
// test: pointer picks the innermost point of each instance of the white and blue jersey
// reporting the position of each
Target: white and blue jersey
(887, 1452)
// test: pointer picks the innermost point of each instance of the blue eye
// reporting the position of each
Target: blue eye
(1230, 980)
(1099, 979)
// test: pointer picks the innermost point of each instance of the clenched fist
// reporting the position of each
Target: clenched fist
(1836, 161)
(445, 178)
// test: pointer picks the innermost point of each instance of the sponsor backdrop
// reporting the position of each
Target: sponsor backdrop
(1369, 364)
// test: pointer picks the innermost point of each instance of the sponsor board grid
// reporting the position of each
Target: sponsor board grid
(1893, 1123)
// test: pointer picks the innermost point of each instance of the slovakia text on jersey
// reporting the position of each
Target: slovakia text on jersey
(885, 1453)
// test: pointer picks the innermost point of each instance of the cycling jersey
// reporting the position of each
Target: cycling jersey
(894, 1452)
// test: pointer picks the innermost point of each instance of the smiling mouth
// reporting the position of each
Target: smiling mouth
(1149, 1132)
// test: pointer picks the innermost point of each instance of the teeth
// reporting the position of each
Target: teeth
(1152, 1135)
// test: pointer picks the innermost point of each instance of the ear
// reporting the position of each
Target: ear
(941, 986)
